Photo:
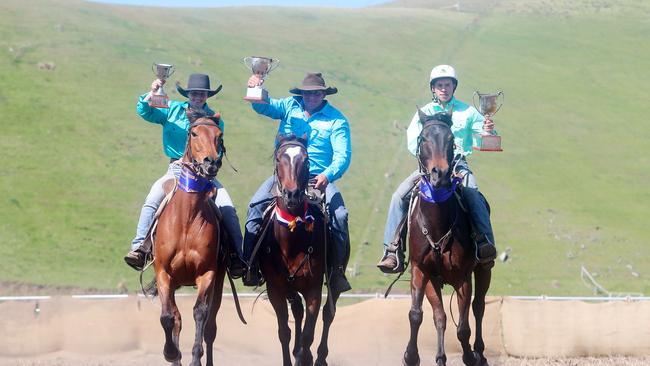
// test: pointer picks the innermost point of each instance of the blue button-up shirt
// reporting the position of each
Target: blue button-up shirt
(174, 122)
(327, 131)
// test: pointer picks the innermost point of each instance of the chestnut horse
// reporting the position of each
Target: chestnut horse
(441, 248)
(187, 243)
(293, 256)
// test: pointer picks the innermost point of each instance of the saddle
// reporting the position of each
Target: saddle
(149, 243)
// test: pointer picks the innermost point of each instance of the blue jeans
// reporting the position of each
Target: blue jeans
(333, 202)
(157, 194)
(476, 204)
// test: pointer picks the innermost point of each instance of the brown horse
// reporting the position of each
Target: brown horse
(186, 251)
(441, 248)
(293, 256)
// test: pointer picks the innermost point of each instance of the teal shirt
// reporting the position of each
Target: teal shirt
(175, 123)
(467, 121)
(328, 132)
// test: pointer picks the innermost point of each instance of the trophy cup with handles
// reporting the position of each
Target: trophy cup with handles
(261, 66)
(489, 105)
(159, 99)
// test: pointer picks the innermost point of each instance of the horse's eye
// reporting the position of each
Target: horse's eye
(194, 134)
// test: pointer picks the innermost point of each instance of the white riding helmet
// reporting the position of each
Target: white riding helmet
(443, 71)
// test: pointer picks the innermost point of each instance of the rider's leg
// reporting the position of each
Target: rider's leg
(231, 224)
(478, 211)
(136, 257)
(340, 235)
(258, 204)
(393, 257)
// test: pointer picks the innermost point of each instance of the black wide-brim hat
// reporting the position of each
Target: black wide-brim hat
(197, 82)
(311, 82)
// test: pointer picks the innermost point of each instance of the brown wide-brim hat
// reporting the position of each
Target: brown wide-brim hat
(197, 82)
(311, 82)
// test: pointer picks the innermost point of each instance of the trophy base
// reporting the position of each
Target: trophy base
(487, 143)
(159, 101)
(257, 95)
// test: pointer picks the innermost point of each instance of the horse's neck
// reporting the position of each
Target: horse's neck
(193, 203)
(440, 216)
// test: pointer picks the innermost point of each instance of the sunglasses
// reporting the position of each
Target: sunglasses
(312, 92)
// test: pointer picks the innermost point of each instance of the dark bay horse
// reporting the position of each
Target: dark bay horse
(186, 251)
(293, 256)
(441, 248)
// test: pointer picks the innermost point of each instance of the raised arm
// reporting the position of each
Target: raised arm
(149, 114)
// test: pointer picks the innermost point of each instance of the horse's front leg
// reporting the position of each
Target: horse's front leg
(168, 317)
(434, 295)
(312, 305)
(278, 298)
(205, 284)
(482, 277)
(329, 311)
(298, 311)
(464, 332)
(418, 283)
(210, 332)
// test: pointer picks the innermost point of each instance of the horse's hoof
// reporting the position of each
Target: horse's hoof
(320, 362)
(471, 359)
(406, 362)
(173, 355)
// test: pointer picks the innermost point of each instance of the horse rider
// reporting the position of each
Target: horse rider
(329, 149)
(467, 121)
(175, 125)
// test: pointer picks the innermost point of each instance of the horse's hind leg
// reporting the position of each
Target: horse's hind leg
(205, 284)
(298, 311)
(168, 317)
(464, 332)
(329, 311)
(211, 324)
(418, 283)
(482, 277)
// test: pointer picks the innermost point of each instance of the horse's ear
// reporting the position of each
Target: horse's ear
(303, 139)
(421, 114)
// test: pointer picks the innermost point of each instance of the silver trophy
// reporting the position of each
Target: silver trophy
(159, 99)
(489, 105)
(261, 66)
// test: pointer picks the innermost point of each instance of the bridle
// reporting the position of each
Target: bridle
(282, 147)
(423, 169)
(195, 165)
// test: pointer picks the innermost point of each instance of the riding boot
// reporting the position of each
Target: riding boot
(138, 257)
(236, 265)
(338, 282)
(393, 259)
(253, 277)
(483, 238)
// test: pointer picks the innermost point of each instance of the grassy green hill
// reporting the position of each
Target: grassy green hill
(569, 190)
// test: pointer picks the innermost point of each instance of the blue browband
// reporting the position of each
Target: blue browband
(192, 183)
(437, 195)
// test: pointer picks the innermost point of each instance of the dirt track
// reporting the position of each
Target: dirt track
(127, 332)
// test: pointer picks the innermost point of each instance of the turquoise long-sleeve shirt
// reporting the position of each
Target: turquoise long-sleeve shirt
(174, 121)
(467, 121)
(328, 132)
